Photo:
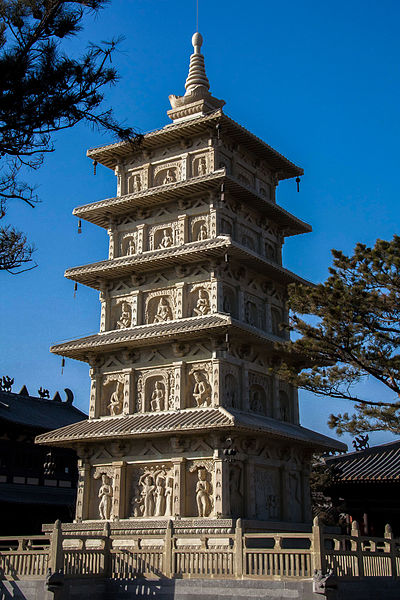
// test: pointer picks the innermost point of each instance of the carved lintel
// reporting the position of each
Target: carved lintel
(95, 360)
(177, 444)
(130, 356)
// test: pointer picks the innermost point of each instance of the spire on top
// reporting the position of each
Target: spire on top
(197, 71)
(197, 99)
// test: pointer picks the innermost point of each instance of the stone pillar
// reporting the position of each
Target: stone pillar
(295, 404)
(183, 236)
(306, 495)
(245, 388)
(275, 398)
(83, 491)
(220, 296)
(128, 379)
(184, 166)
(179, 294)
(215, 382)
(250, 491)
(241, 307)
(214, 295)
(179, 492)
(221, 491)
(119, 497)
(268, 316)
(103, 311)
(179, 387)
(141, 245)
(213, 222)
(285, 494)
(120, 174)
(95, 394)
(135, 307)
(211, 156)
(112, 249)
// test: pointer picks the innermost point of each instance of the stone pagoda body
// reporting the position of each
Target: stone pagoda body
(187, 420)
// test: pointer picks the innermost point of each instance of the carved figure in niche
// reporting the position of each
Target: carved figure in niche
(164, 312)
(137, 503)
(294, 494)
(105, 495)
(157, 397)
(257, 399)
(125, 319)
(160, 497)
(230, 390)
(202, 167)
(203, 304)
(203, 492)
(147, 492)
(130, 247)
(203, 233)
(166, 240)
(168, 497)
(236, 496)
(251, 313)
(170, 177)
(276, 318)
(136, 183)
(272, 506)
(270, 251)
(201, 390)
(116, 401)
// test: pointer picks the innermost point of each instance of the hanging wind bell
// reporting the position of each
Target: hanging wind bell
(79, 226)
(62, 365)
(75, 289)
(94, 167)
(298, 183)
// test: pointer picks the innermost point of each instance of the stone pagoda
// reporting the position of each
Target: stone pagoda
(187, 420)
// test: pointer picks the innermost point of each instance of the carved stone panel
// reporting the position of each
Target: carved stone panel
(112, 392)
(152, 491)
(198, 300)
(199, 489)
(128, 243)
(199, 165)
(160, 306)
(254, 311)
(231, 386)
(163, 235)
(199, 391)
(199, 228)
(267, 497)
(260, 394)
(166, 173)
(155, 390)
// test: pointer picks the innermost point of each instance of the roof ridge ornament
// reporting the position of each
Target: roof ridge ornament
(197, 100)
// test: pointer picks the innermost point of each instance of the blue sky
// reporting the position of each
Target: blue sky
(317, 81)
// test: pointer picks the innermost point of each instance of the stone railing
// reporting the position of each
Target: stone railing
(171, 554)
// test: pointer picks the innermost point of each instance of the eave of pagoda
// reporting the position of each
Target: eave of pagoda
(183, 422)
(94, 275)
(178, 331)
(110, 155)
(100, 213)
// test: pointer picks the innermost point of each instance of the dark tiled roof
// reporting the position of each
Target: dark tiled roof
(379, 464)
(37, 412)
(180, 421)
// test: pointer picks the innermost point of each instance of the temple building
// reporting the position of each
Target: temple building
(187, 420)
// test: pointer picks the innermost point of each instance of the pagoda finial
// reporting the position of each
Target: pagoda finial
(197, 72)
(197, 99)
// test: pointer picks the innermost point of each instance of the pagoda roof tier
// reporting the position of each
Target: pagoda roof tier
(94, 274)
(178, 330)
(111, 154)
(102, 211)
(184, 421)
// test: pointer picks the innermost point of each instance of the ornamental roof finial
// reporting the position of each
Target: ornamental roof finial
(197, 99)
(197, 72)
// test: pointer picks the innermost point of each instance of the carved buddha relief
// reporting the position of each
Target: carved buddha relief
(166, 174)
(202, 306)
(128, 244)
(135, 183)
(155, 390)
(260, 394)
(125, 318)
(200, 387)
(199, 166)
(159, 307)
(270, 251)
(112, 395)
(231, 391)
(152, 493)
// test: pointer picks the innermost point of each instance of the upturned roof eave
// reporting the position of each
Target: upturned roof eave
(179, 330)
(99, 213)
(92, 275)
(218, 418)
(109, 155)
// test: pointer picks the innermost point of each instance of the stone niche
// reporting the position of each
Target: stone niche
(268, 493)
(166, 173)
(163, 235)
(254, 311)
(128, 245)
(101, 493)
(200, 390)
(231, 386)
(112, 395)
(160, 306)
(260, 394)
(199, 486)
(121, 313)
(150, 491)
(199, 300)
(199, 165)
(135, 182)
(155, 390)
(199, 228)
